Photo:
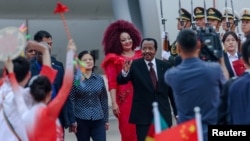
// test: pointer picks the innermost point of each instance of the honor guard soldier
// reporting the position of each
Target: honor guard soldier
(199, 17)
(229, 17)
(245, 23)
(183, 22)
(214, 18)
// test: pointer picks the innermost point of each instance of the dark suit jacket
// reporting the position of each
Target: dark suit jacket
(56, 62)
(66, 115)
(145, 94)
(228, 65)
(223, 117)
(59, 76)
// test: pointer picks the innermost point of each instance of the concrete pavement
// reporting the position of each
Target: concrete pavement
(112, 134)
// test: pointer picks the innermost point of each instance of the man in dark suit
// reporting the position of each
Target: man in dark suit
(147, 88)
(44, 36)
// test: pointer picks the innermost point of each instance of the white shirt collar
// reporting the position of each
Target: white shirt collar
(235, 55)
(152, 61)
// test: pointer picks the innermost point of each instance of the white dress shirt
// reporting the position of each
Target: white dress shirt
(154, 66)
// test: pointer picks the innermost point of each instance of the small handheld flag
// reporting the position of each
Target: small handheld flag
(61, 9)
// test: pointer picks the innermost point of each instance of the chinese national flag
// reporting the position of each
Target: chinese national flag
(186, 131)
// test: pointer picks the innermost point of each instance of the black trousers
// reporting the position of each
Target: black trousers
(87, 129)
(142, 131)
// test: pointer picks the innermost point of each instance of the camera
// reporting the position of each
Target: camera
(211, 47)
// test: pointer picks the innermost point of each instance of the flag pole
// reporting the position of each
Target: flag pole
(198, 123)
(157, 120)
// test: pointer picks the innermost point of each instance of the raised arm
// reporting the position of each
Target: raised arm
(47, 70)
(17, 90)
(124, 76)
(43, 48)
(56, 104)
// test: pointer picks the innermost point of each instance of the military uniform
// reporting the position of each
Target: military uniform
(184, 16)
(199, 13)
(214, 14)
(245, 16)
(228, 12)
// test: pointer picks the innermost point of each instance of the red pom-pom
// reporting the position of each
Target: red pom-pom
(60, 8)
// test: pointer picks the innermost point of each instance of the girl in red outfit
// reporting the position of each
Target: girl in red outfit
(41, 121)
(120, 41)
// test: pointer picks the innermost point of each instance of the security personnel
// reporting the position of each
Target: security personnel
(214, 18)
(245, 22)
(183, 22)
(199, 13)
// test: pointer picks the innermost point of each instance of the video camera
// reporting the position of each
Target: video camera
(211, 47)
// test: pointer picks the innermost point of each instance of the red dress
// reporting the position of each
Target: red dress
(112, 66)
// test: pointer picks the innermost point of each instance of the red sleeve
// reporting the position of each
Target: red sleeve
(55, 106)
(49, 72)
(111, 74)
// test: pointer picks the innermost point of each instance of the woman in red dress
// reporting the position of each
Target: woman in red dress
(120, 41)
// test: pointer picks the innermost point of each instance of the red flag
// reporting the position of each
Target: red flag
(151, 131)
(60, 8)
(186, 131)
